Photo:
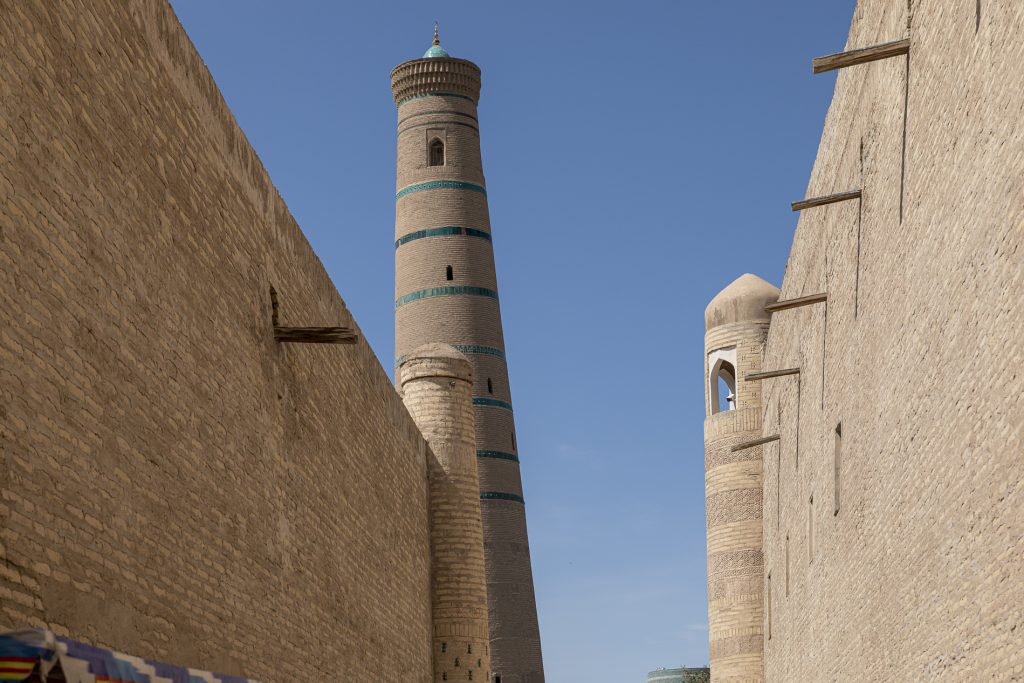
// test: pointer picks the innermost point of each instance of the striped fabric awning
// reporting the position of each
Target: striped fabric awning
(40, 656)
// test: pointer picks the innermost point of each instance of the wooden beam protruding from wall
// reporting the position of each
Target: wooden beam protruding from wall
(315, 335)
(827, 199)
(841, 60)
(755, 442)
(796, 303)
(768, 374)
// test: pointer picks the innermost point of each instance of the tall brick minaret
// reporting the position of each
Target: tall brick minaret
(446, 291)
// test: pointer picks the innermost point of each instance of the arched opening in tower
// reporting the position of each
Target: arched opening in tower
(436, 152)
(723, 387)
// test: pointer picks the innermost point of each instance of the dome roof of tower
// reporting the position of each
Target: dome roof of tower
(435, 51)
(743, 300)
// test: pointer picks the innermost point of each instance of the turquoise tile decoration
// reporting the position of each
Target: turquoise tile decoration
(441, 185)
(491, 402)
(444, 291)
(499, 455)
(468, 348)
(435, 51)
(498, 495)
(436, 94)
(441, 232)
(473, 232)
(486, 350)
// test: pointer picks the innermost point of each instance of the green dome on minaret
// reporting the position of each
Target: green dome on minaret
(435, 49)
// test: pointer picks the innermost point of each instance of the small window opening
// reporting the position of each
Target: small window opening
(810, 529)
(723, 387)
(787, 565)
(513, 440)
(456, 661)
(449, 274)
(436, 152)
(444, 675)
(469, 649)
(444, 647)
(497, 679)
(490, 386)
(835, 466)
(470, 674)
(479, 663)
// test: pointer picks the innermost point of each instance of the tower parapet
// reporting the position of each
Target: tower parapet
(436, 383)
(435, 76)
(446, 291)
(736, 326)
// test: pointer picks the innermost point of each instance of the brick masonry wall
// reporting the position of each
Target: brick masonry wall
(910, 569)
(174, 483)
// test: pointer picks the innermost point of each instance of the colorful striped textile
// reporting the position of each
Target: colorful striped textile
(39, 653)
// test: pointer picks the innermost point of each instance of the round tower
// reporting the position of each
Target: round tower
(437, 387)
(446, 291)
(736, 325)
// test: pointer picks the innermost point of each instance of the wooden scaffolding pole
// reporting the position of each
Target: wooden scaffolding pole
(841, 60)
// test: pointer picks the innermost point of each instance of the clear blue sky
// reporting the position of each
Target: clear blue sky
(639, 156)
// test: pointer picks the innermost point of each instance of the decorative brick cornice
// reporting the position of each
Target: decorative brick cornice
(435, 76)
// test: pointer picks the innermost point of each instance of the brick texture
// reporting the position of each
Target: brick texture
(917, 356)
(173, 482)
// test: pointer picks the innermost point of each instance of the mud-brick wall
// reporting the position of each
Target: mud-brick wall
(175, 484)
(909, 568)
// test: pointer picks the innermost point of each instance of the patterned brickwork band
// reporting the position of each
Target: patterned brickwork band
(435, 112)
(436, 94)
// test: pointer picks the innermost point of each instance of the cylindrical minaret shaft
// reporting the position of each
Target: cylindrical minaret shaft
(436, 382)
(737, 326)
(446, 291)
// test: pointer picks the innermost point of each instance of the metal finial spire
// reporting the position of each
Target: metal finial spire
(436, 40)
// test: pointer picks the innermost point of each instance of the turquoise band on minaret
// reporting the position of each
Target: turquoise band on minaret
(499, 495)
(498, 455)
(446, 231)
(492, 403)
(441, 185)
(445, 291)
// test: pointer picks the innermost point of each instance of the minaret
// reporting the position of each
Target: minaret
(437, 388)
(736, 326)
(446, 291)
